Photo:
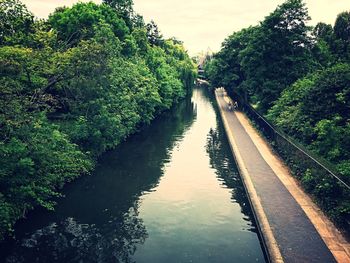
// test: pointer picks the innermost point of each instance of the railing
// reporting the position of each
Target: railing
(318, 176)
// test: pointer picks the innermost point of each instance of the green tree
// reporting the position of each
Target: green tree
(315, 110)
(323, 31)
(16, 23)
(342, 26)
(154, 36)
(36, 158)
(225, 69)
(342, 33)
(77, 23)
(281, 42)
(124, 9)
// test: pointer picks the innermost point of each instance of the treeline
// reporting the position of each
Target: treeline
(298, 77)
(72, 87)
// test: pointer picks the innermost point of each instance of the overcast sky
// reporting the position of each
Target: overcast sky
(204, 24)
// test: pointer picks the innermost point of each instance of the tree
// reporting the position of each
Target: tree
(36, 157)
(323, 44)
(342, 26)
(124, 9)
(323, 31)
(330, 96)
(16, 23)
(279, 43)
(77, 23)
(138, 21)
(154, 36)
(225, 69)
(342, 34)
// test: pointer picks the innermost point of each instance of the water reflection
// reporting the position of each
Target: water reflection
(69, 241)
(195, 214)
(222, 161)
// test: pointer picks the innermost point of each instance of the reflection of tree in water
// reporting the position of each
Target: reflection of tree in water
(98, 220)
(222, 161)
(70, 241)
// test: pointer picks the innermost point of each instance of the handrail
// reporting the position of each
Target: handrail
(287, 138)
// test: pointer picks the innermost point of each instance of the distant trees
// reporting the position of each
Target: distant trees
(72, 87)
(225, 69)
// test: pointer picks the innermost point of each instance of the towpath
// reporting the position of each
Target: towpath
(288, 232)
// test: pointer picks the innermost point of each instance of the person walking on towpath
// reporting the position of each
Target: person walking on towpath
(235, 105)
(230, 106)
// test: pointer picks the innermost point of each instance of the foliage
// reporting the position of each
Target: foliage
(71, 88)
(153, 34)
(253, 60)
(315, 110)
(342, 36)
(124, 9)
(16, 23)
(77, 23)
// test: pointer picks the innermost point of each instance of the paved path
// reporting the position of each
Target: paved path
(296, 237)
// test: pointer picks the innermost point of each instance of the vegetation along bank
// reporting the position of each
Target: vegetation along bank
(73, 86)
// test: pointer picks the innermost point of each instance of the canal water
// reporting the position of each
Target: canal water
(170, 193)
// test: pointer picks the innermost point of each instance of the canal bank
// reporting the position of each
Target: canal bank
(288, 233)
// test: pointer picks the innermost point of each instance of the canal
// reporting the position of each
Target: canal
(170, 193)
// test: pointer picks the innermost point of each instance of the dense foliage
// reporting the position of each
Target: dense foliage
(299, 77)
(73, 86)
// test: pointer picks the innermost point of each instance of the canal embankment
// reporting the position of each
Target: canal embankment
(281, 208)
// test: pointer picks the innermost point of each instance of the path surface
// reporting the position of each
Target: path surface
(290, 235)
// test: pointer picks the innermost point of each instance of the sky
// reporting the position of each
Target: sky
(204, 24)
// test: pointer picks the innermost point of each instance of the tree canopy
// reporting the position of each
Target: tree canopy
(72, 87)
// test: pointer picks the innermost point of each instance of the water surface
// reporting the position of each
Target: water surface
(170, 193)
